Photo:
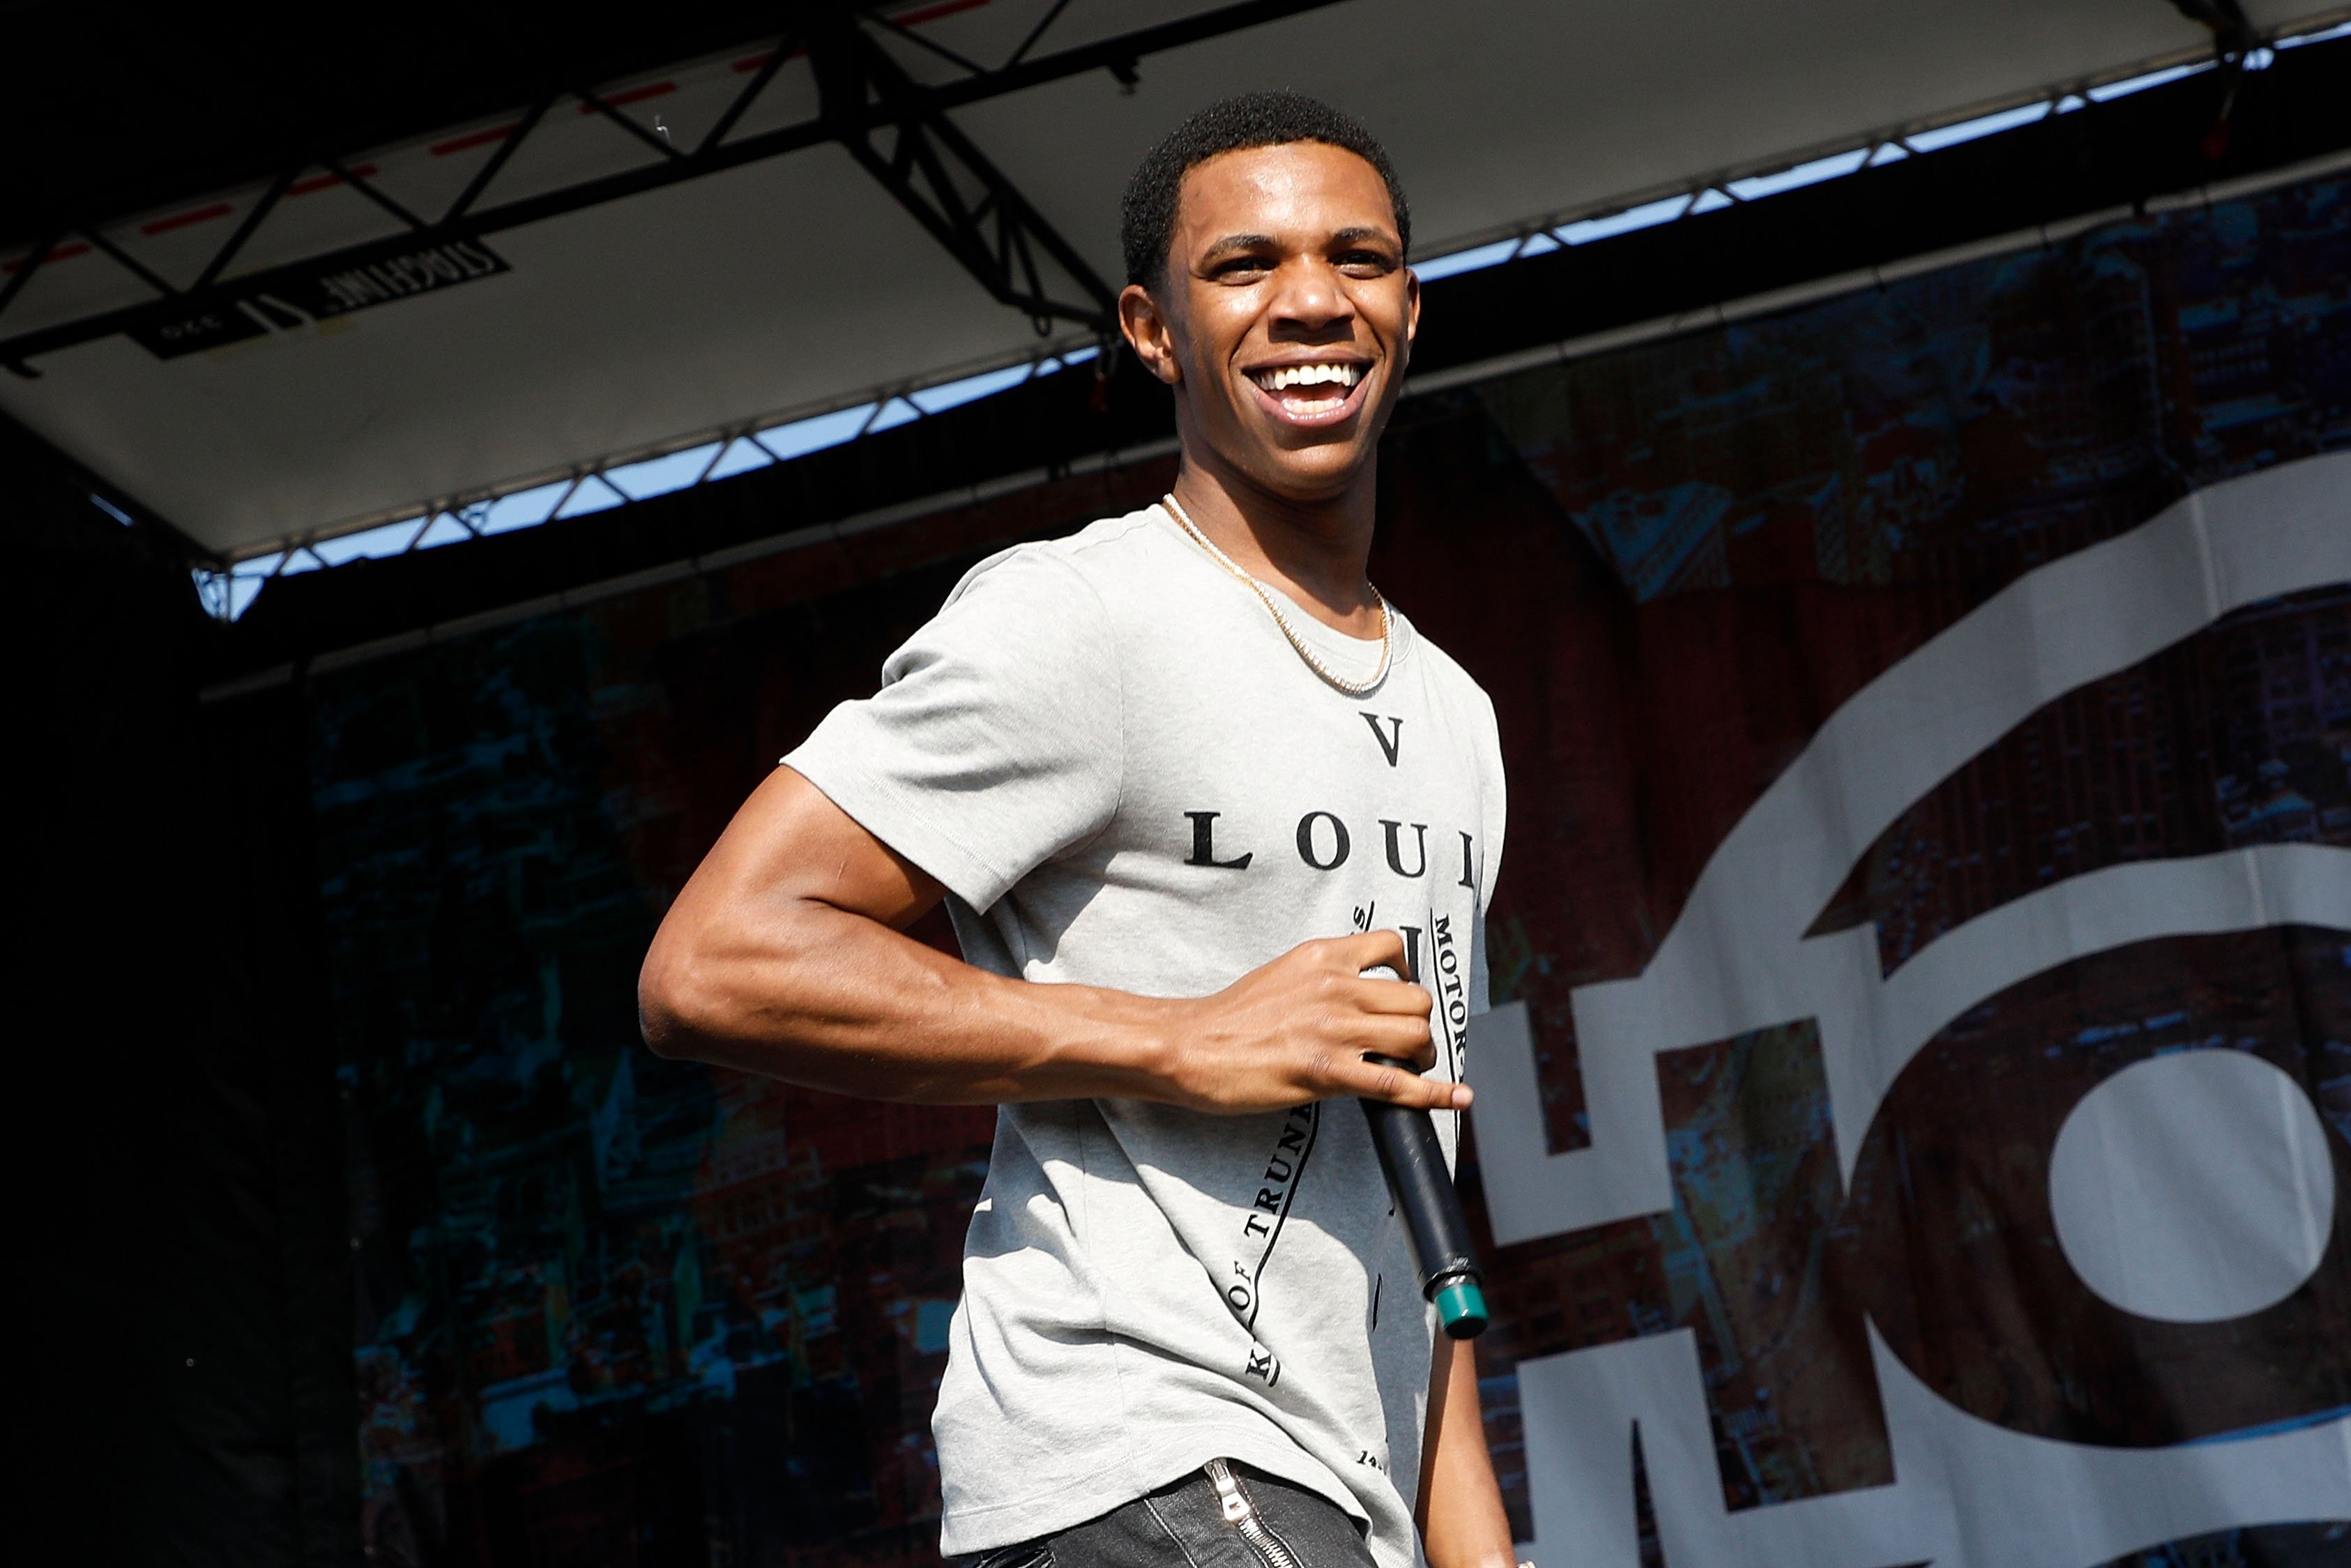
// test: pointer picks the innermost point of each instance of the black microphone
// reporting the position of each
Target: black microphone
(1414, 1162)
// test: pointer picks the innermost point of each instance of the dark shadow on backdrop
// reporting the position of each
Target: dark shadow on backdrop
(176, 1144)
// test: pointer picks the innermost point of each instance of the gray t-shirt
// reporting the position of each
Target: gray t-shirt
(1124, 775)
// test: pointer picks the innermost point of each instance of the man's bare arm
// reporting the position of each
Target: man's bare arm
(785, 955)
(1462, 1525)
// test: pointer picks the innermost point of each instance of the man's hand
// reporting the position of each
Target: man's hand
(1299, 1028)
(784, 955)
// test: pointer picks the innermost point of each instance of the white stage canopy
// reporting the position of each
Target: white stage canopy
(296, 397)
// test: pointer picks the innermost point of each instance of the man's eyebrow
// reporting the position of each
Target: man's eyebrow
(1360, 233)
(1239, 242)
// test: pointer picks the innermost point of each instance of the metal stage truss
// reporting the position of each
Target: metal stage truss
(895, 128)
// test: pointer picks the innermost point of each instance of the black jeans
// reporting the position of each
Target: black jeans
(1188, 1524)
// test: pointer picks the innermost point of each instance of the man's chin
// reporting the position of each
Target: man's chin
(1313, 471)
(1300, 466)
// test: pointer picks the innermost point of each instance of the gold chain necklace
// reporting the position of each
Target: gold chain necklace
(1265, 596)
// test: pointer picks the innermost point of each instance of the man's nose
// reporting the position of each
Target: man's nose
(1309, 299)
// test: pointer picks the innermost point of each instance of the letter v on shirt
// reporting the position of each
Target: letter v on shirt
(1125, 776)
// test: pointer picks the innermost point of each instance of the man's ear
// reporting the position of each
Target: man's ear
(1147, 332)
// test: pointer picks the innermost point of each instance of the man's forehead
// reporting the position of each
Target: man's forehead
(1298, 181)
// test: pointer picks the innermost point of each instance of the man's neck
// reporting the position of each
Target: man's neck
(1314, 551)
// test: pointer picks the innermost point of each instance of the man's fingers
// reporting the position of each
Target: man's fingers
(1390, 997)
(1370, 950)
(1377, 1080)
(1406, 1039)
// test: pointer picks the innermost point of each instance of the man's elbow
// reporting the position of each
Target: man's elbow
(675, 1008)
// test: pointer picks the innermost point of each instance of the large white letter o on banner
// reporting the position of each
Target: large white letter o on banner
(2194, 1187)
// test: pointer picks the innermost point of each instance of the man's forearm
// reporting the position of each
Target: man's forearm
(1461, 1519)
(839, 1002)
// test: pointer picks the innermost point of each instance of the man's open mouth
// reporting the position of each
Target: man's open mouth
(1305, 390)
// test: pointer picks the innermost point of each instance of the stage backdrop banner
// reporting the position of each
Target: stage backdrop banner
(1913, 1120)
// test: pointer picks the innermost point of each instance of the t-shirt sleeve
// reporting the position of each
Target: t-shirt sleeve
(994, 744)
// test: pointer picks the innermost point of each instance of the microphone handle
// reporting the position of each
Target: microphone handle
(1414, 1162)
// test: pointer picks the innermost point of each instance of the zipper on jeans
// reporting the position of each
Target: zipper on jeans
(1241, 1514)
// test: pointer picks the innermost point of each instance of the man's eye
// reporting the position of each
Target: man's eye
(1366, 261)
(1241, 266)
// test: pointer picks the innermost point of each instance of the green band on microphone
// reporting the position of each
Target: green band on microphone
(1461, 1309)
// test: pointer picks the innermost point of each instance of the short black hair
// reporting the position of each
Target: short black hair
(1147, 217)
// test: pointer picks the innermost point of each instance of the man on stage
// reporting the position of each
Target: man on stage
(1183, 778)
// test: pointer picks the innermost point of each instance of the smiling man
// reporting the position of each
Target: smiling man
(1194, 793)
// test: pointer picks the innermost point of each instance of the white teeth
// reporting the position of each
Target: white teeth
(1310, 375)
